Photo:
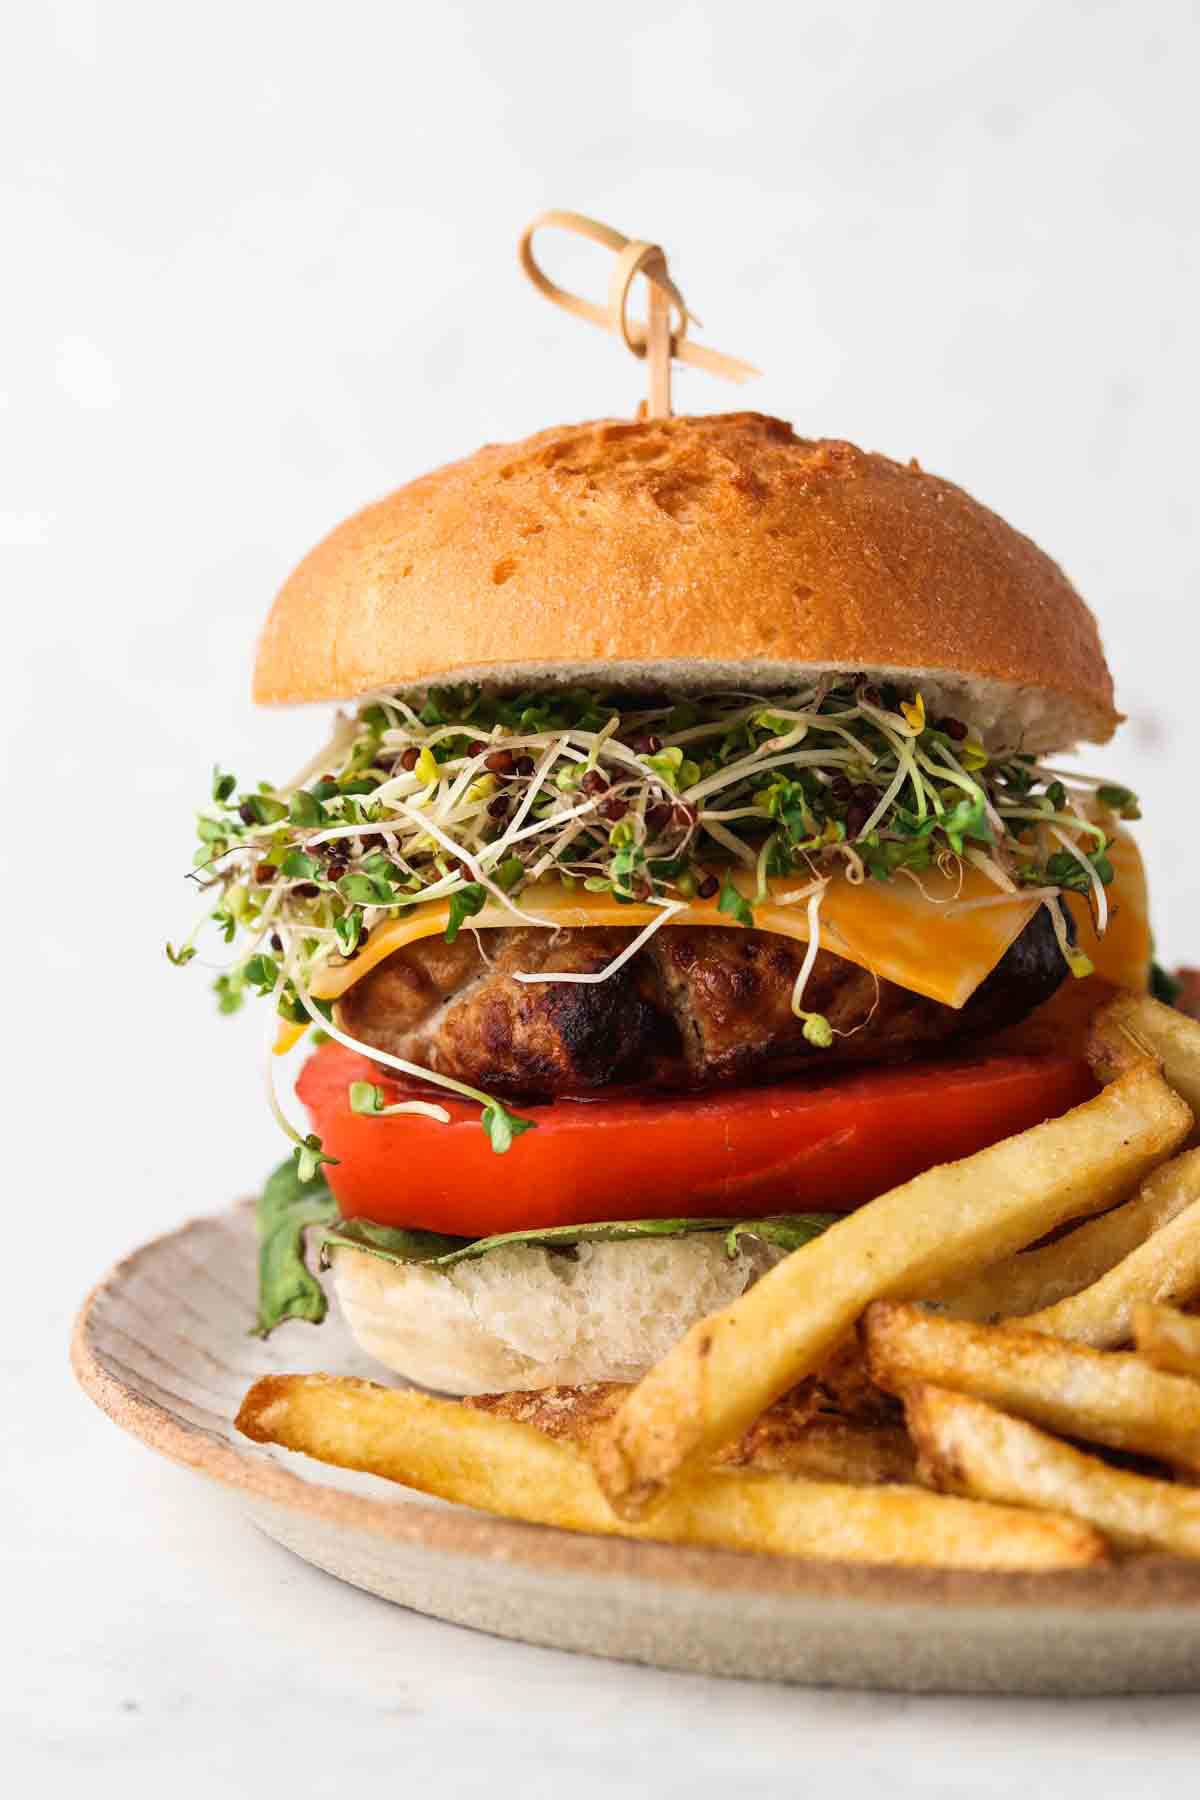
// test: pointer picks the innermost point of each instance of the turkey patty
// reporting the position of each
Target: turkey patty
(698, 1007)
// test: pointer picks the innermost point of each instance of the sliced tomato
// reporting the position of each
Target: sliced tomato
(794, 1147)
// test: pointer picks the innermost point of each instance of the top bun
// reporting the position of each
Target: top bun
(698, 554)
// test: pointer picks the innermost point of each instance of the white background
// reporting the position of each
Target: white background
(258, 266)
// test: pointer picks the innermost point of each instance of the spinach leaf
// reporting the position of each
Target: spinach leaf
(288, 1207)
(788, 1231)
(287, 1289)
(1163, 985)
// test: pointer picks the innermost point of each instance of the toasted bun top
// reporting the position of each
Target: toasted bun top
(692, 553)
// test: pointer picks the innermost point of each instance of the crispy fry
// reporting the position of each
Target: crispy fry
(1112, 1048)
(568, 1412)
(1107, 1397)
(967, 1447)
(502, 1466)
(729, 1367)
(828, 1449)
(793, 1437)
(1166, 1267)
(1134, 1025)
(1166, 1338)
(1033, 1279)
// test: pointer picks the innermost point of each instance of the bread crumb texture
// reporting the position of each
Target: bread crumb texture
(526, 1317)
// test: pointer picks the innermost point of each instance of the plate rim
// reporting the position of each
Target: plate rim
(1151, 1582)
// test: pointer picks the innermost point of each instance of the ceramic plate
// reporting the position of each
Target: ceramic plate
(162, 1346)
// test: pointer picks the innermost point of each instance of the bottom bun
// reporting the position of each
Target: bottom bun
(530, 1318)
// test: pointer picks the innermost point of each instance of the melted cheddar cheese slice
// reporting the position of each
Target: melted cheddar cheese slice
(1121, 958)
(1122, 955)
(928, 938)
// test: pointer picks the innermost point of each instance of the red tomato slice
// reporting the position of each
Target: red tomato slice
(793, 1147)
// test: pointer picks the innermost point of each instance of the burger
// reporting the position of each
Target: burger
(688, 864)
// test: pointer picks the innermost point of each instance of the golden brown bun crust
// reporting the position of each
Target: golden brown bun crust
(724, 543)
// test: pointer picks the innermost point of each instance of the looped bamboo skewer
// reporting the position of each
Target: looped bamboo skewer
(657, 340)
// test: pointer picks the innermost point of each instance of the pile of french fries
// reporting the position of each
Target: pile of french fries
(989, 1364)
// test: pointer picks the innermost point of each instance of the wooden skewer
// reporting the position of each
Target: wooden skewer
(658, 352)
(655, 341)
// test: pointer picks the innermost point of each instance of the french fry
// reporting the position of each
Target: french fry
(732, 1365)
(1134, 1025)
(793, 1437)
(501, 1466)
(967, 1447)
(829, 1449)
(1166, 1338)
(1166, 1267)
(1107, 1397)
(1033, 1279)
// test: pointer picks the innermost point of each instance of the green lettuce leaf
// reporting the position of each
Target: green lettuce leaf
(788, 1231)
(287, 1207)
(1163, 985)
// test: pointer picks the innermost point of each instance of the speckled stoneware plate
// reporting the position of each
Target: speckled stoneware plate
(161, 1345)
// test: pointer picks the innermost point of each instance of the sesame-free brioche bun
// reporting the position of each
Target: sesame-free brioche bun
(694, 554)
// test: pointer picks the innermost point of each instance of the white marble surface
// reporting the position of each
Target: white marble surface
(258, 267)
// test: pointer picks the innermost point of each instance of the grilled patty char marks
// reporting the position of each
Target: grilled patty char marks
(699, 1007)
